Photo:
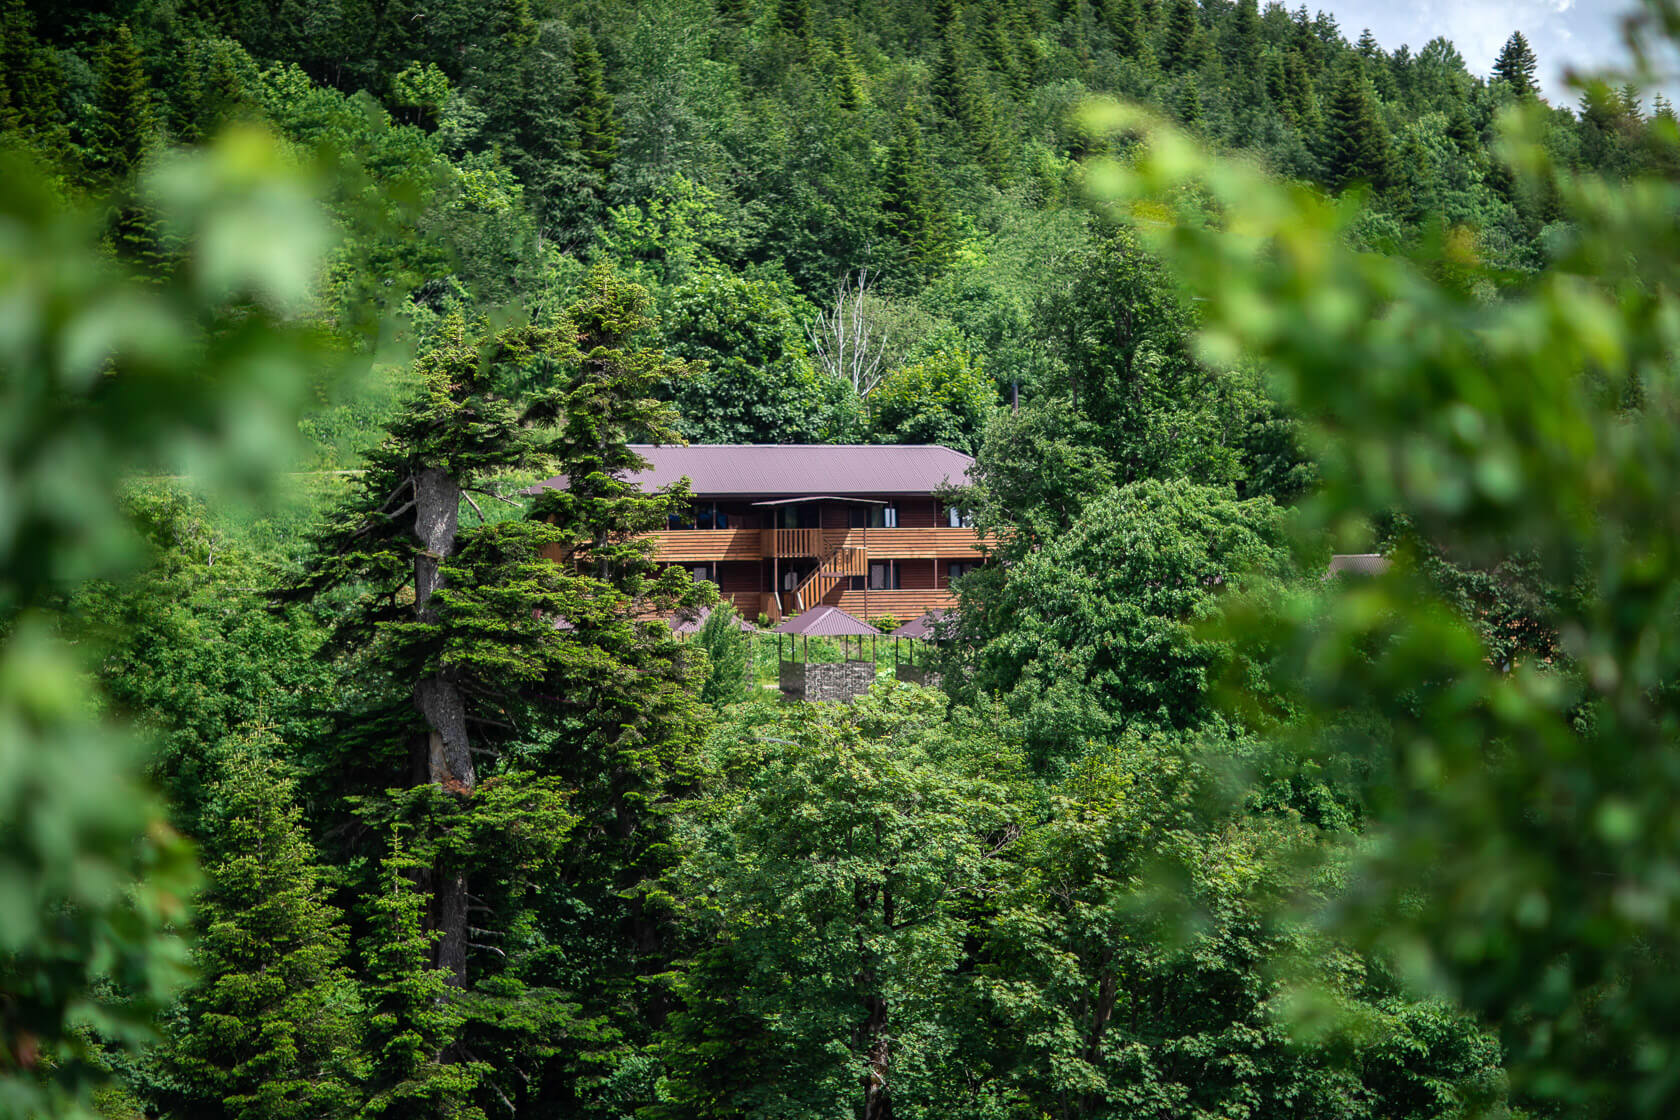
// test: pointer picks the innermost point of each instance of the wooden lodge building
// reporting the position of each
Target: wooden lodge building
(781, 528)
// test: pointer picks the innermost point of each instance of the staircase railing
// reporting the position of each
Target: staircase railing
(842, 563)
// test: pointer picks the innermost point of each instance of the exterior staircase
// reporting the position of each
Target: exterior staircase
(843, 562)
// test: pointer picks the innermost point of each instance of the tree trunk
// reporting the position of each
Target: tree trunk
(872, 1032)
(448, 761)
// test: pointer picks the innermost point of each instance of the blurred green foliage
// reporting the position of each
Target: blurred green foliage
(105, 374)
(1521, 851)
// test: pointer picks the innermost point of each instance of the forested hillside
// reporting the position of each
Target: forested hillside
(326, 793)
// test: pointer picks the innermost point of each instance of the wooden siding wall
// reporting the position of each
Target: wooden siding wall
(740, 577)
(903, 604)
(917, 575)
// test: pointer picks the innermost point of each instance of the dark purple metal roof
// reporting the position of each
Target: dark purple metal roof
(762, 470)
(923, 627)
(827, 622)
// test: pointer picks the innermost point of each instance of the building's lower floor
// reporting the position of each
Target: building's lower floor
(901, 589)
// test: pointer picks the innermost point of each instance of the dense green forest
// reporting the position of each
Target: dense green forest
(308, 810)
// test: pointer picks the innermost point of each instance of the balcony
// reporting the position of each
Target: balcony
(912, 544)
(792, 543)
(706, 545)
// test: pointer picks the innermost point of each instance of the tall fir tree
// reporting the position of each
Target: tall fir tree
(793, 21)
(596, 136)
(848, 76)
(998, 41)
(913, 210)
(1300, 99)
(1181, 38)
(1243, 52)
(1126, 23)
(1355, 146)
(124, 122)
(31, 82)
(271, 1029)
(1516, 65)
(1187, 105)
(413, 1017)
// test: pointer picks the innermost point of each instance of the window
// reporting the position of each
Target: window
(883, 575)
(678, 521)
(957, 569)
(709, 516)
(700, 573)
(802, 516)
(959, 518)
(883, 517)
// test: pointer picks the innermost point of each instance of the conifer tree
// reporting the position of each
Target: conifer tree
(913, 207)
(596, 138)
(30, 78)
(1300, 103)
(1244, 51)
(520, 635)
(997, 39)
(124, 123)
(1516, 64)
(1180, 45)
(1126, 22)
(955, 93)
(412, 1018)
(793, 19)
(270, 1031)
(848, 79)
(1355, 145)
(1188, 104)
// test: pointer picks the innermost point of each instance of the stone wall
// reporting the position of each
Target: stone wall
(916, 674)
(834, 681)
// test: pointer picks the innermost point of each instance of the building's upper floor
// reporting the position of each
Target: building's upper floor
(805, 501)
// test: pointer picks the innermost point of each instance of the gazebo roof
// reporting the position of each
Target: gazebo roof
(922, 627)
(689, 622)
(826, 621)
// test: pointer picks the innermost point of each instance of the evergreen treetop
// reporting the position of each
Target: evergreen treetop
(1516, 64)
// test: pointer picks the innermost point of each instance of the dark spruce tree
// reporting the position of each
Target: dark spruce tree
(596, 136)
(271, 1030)
(1181, 38)
(1354, 145)
(1516, 64)
(914, 217)
(31, 82)
(513, 684)
(124, 123)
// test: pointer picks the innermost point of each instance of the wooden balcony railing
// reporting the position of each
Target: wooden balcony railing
(707, 544)
(911, 544)
(713, 545)
(792, 543)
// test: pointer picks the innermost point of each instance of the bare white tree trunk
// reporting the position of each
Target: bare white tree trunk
(850, 340)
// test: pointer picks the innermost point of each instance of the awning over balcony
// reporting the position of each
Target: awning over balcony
(823, 498)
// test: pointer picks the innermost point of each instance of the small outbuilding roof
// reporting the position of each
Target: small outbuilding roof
(796, 470)
(689, 622)
(826, 621)
(1358, 563)
(923, 627)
